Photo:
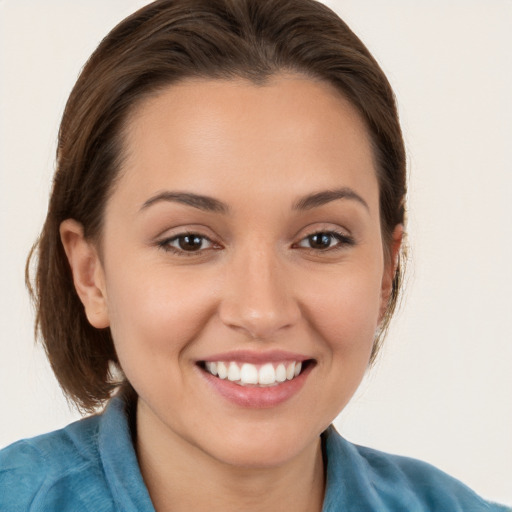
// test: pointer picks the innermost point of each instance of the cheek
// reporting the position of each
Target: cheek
(344, 308)
(154, 314)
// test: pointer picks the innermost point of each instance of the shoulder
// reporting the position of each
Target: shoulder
(386, 482)
(423, 483)
(51, 471)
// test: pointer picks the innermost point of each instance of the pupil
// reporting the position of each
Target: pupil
(190, 242)
(320, 240)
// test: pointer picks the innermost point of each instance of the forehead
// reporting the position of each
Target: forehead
(292, 132)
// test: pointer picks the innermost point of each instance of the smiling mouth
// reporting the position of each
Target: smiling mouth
(256, 375)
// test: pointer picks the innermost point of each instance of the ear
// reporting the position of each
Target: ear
(390, 268)
(87, 270)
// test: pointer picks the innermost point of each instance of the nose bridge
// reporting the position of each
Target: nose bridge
(258, 297)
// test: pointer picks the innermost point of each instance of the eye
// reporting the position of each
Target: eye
(324, 240)
(186, 243)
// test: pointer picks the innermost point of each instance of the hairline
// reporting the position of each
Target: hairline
(156, 90)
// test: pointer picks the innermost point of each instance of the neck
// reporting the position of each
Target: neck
(182, 477)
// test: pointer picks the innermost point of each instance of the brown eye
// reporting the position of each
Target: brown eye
(320, 240)
(324, 240)
(186, 243)
(190, 242)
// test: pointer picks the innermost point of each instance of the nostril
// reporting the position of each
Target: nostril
(259, 323)
(257, 297)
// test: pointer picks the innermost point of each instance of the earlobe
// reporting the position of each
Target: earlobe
(87, 270)
(390, 269)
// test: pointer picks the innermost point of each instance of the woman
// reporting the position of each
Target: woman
(223, 249)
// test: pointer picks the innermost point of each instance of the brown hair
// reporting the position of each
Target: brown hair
(167, 41)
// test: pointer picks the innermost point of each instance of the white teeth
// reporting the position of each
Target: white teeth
(248, 374)
(233, 372)
(212, 367)
(267, 374)
(222, 370)
(280, 373)
(290, 371)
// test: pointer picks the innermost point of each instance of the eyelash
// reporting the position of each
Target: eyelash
(165, 244)
(342, 239)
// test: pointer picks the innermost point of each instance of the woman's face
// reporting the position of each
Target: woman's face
(243, 238)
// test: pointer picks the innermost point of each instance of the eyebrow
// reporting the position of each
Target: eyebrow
(205, 203)
(210, 204)
(320, 198)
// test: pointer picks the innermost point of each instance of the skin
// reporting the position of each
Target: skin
(257, 283)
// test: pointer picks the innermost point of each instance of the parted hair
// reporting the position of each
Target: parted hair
(162, 43)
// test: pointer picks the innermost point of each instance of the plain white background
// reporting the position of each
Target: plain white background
(442, 389)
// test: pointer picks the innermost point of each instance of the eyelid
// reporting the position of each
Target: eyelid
(343, 238)
(164, 243)
(184, 228)
(181, 235)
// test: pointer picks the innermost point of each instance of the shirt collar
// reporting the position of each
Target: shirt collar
(345, 469)
(120, 461)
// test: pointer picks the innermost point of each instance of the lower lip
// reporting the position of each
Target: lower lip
(257, 397)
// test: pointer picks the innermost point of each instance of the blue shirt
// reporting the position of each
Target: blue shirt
(91, 465)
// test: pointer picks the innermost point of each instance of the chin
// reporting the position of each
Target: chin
(259, 457)
(262, 446)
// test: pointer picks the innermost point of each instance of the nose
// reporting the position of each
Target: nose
(258, 295)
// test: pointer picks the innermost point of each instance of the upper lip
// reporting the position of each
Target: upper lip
(255, 357)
